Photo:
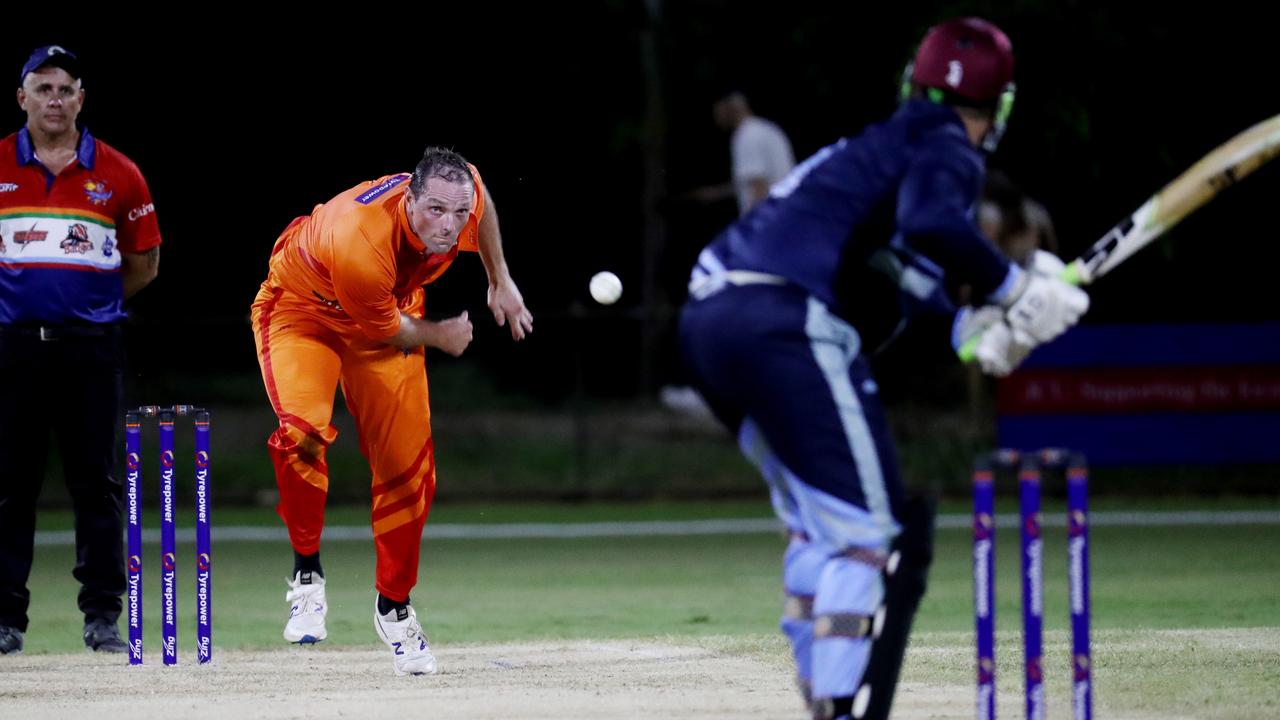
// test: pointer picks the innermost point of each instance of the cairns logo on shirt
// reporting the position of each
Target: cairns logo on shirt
(77, 240)
(97, 192)
(138, 212)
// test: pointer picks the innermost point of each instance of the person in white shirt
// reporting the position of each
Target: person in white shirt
(760, 154)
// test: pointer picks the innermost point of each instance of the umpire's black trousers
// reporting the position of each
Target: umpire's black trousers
(62, 383)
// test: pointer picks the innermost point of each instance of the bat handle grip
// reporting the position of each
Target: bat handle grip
(1075, 274)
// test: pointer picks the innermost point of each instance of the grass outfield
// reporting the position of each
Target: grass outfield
(1186, 618)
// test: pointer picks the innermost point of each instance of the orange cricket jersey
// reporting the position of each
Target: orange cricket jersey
(357, 253)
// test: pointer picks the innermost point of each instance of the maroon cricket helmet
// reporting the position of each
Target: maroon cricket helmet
(968, 58)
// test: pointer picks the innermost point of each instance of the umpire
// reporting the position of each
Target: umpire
(78, 236)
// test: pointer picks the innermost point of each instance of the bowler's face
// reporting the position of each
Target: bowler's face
(439, 213)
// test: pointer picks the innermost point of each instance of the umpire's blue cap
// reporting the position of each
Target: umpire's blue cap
(54, 55)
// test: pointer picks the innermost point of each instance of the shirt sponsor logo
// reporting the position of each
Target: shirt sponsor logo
(143, 211)
(77, 240)
(107, 246)
(8, 187)
(22, 237)
(372, 194)
(97, 192)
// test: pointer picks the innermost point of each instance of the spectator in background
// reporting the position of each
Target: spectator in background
(759, 151)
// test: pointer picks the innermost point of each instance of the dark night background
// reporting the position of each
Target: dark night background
(240, 123)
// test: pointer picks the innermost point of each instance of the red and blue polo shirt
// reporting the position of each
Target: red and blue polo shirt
(61, 235)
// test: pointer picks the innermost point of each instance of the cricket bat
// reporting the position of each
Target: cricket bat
(1228, 164)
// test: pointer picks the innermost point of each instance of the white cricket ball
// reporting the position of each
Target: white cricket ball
(606, 288)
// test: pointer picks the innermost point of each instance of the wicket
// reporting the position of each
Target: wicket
(1031, 467)
(168, 593)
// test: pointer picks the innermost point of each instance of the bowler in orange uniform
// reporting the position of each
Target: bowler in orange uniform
(343, 305)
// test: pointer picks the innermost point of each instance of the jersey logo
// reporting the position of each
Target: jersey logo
(97, 192)
(77, 240)
(22, 237)
(8, 187)
(373, 193)
(107, 246)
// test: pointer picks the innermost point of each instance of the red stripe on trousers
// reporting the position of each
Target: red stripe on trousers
(396, 580)
(428, 450)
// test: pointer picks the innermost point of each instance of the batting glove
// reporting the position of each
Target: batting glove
(982, 336)
(1042, 307)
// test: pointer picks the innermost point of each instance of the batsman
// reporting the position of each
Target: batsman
(786, 305)
(343, 304)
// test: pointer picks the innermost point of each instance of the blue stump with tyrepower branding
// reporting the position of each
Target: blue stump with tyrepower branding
(167, 417)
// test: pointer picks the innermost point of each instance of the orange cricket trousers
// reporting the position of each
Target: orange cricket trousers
(305, 350)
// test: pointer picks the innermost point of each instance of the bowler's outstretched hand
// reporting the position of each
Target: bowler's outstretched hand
(507, 305)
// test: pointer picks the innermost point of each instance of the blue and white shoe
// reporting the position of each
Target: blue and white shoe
(400, 630)
(307, 608)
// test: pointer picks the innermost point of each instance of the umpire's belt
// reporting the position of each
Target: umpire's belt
(49, 333)
(704, 285)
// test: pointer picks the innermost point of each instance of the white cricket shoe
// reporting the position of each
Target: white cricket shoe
(400, 630)
(307, 608)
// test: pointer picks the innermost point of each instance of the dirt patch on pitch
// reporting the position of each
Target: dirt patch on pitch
(586, 679)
